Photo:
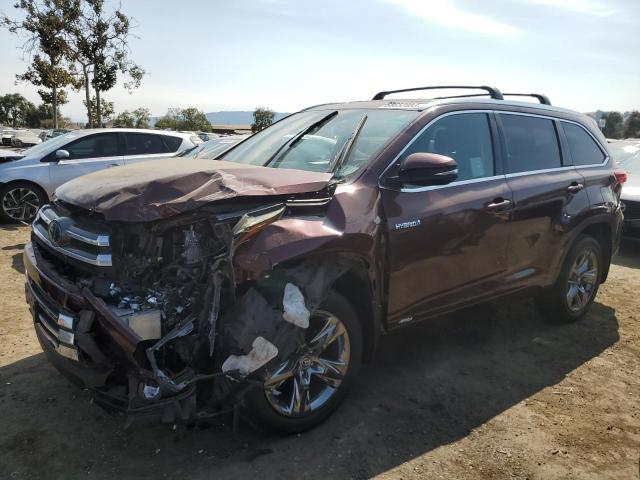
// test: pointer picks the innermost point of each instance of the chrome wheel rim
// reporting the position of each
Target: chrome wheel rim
(307, 380)
(20, 204)
(582, 280)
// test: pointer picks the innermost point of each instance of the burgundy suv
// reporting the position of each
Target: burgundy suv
(180, 289)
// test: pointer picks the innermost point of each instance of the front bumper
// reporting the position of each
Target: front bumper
(84, 347)
(62, 322)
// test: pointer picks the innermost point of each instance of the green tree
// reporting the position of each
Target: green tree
(99, 44)
(194, 119)
(106, 110)
(124, 120)
(614, 126)
(632, 125)
(44, 22)
(262, 118)
(141, 117)
(16, 110)
(184, 119)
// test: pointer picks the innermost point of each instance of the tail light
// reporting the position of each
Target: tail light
(621, 176)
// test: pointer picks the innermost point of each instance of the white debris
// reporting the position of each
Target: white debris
(295, 310)
(261, 353)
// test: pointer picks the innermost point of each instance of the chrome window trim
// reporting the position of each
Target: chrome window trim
(453, 184)
(434, 187)
(505, 176)
(547, 117)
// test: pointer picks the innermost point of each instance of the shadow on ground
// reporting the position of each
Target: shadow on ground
(428, 386)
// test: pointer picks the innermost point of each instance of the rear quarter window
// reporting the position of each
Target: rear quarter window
(584, 149)
(172, 143)
(532, 143)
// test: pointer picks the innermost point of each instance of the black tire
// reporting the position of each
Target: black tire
(554, 304)
(7, 215)
(261, 409)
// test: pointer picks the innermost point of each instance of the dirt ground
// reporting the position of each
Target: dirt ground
(493, 393)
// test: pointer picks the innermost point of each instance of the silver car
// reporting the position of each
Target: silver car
(29, 181)
(626, 154)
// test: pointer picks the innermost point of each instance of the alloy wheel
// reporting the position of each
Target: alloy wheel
(307, 380)
(582, 280)
(20, 204)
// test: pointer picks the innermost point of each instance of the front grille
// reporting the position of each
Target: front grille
(55, 325)
(72, 240)
(631, 210)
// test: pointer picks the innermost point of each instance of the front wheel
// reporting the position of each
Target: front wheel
(577, 286)
(307, 387)
(19, 202)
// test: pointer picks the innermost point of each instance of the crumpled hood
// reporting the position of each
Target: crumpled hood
(158, 189)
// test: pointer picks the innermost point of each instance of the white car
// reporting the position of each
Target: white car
(29, 181)
(7, 134)
(25, 138)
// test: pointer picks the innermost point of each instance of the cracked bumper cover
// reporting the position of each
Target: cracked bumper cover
(76, 338)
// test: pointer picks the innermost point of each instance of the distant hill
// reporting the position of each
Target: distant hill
(228, 118)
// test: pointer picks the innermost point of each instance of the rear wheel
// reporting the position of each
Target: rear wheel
(307, 387)
(20, 201)
(577, 286)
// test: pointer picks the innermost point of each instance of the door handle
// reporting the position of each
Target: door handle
(114, 165)
(575, 187)
(499, 204)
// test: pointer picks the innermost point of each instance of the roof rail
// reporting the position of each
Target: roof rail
(543, 99)
(493, 92)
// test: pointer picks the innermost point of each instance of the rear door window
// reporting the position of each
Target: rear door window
(94, 146)
(144, 144)
(465, 137)
(532, 143)
(584, 149)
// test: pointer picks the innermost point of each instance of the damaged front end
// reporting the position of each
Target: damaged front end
(173, 319)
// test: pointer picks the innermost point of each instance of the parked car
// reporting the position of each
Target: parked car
(47, 134)
(178, 290)
(205, 136)
(211, 149)
(29, 182)
(626, 154)
(7, 135)
(25, 138)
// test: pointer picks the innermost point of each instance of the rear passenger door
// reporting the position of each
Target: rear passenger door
(140, 147)
(548, 195)
(448, 244)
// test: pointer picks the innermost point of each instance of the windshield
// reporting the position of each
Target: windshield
(626, 155)
(49, 145)
(321, 145)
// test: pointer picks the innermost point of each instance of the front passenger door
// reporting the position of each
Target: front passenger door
(86, 155)
(448, 244)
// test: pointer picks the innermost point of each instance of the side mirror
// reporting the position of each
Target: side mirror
(62, 154)
(427, 169)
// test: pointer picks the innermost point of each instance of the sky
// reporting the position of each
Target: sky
(290, 54)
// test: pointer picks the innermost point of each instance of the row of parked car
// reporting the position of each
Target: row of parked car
(29, 178)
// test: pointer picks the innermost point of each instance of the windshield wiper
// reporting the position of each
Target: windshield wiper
(346, 149)
(295, 139)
